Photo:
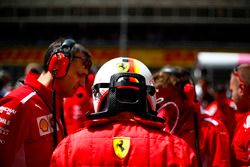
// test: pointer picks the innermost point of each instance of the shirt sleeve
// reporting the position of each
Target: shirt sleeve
(241, 144)
(219, 144)
(13, 129)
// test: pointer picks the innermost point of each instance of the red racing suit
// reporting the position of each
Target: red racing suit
(214, 145)
(241, 143)
(225, 113)
(26, 133)
(123, 140)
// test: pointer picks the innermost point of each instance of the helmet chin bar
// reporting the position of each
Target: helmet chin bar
(117, 104)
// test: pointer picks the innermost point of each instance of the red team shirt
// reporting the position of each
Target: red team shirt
(26, 133)
(241, 142)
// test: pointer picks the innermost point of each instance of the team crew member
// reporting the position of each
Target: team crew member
(30, 116)
(241, 143)
(123, 131)
(207, 136)
(223, 109)
(240, 87)
(78, 105)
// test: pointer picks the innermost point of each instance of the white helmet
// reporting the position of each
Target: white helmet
(122, 66)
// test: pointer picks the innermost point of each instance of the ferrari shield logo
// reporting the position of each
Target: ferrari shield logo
(121, 146)
(123, 67)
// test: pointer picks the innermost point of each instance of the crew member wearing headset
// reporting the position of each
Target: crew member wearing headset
(78, 105)
(31, 122)
(207, 136)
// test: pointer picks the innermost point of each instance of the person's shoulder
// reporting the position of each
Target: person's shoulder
(242, 132)
(179, 145)
(79, 137)
(177, 139)
(246, 122)
(211, 109)
(213, 124)
(211, 121)
(20, 94)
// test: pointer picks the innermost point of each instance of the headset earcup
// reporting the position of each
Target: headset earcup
(58, 65)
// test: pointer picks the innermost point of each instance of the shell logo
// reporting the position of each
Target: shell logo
(43, 124)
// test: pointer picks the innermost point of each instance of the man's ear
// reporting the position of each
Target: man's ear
(242, 89)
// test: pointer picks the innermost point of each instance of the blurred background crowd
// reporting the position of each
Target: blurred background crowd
(206, 37)
(159, 32)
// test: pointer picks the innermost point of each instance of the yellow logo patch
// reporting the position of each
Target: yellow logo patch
(123, 67)
(121, 146)
(44, 125)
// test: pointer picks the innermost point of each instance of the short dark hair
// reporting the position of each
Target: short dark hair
(87, 55)
(75, 49)
(52, 47)
(243, 71)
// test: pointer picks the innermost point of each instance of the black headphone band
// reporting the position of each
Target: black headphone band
(65, 48)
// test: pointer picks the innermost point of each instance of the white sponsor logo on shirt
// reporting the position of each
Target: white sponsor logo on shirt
(4, 121)
(7, 110)
(247, 123)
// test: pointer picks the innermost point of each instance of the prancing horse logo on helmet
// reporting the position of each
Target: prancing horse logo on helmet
(121, 146)
(123, 67)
